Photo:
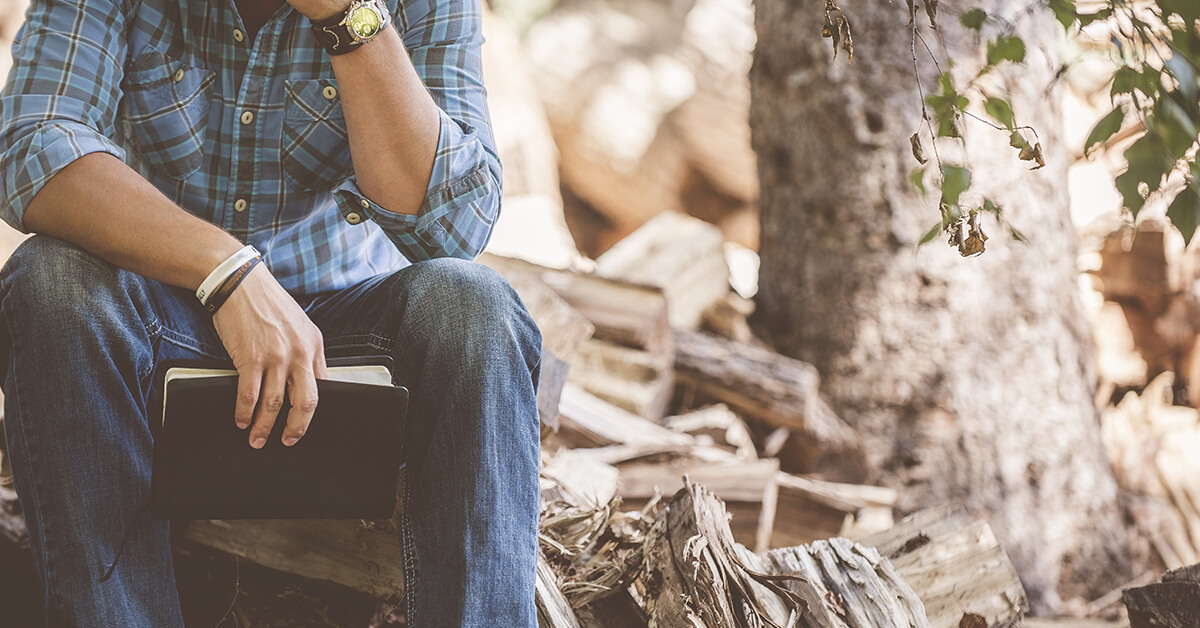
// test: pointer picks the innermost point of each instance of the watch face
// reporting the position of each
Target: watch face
(363, 21)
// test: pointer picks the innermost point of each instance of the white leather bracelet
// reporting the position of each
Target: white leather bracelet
(223, 270)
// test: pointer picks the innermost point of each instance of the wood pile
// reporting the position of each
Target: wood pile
(669, 486)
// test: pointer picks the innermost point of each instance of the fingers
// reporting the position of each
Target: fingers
(302, 390)
(269, 403)
(319, 369)
(249, 382)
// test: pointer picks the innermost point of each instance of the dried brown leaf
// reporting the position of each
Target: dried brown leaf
(918, 150)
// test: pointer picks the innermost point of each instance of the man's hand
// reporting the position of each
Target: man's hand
(277, 350)
(317, 10)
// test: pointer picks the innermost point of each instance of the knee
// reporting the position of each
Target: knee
(466, 306)
(47, 276)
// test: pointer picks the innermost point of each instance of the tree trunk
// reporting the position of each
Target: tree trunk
(967, 379)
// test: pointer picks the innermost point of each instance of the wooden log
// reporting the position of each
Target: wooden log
(636, 380)
(809, 510)
(757, 383)
(1172, 603)
(552, 608)
(588, 421)
(848, 584)
(749, 489)
(552, 377)
(696, 575)
(678, 253)
(333, 550)
(623, 313)
(956, 567)
(12, 521)
(716, 424)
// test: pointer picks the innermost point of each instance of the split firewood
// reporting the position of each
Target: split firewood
(808, 510)
(678, 253)
(552, 608)
(771, 388)
(750, 491)
(846, 584)
(623, 313)
(1172, 603)
(716, 425)
(956, 567)
(651, 115)
(695, 575)
(588, 421)
(636, 380)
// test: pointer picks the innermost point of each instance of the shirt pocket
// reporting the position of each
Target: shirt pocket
(166, 113)
(316, 148)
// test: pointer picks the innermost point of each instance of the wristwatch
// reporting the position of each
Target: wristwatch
(362, 22)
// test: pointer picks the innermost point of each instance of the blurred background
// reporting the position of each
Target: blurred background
(1050, 385)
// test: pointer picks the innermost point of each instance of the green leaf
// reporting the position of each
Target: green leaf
(1174, 127)
(1000, 110)
(1148, 163)
(1017, 235)
(990, 206)
(1010, 48)
(917, 178)
(1064, 12)
(1018, 141)
(955, 181)
(1125, 80)
(1088, 18)
(1184, 211)
(931, 234)
(1104, 129)
(975, 18)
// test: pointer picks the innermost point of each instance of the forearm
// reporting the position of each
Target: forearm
(392, 122)
(105, 207)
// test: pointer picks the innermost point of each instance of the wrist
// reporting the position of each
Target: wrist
(325, 10)
(218, 275)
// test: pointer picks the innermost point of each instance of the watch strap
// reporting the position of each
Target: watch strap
(335, 34)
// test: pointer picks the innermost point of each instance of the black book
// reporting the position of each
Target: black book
(345, 466)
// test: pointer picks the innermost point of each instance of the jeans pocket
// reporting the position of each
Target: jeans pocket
(166, 112)
(316, 148)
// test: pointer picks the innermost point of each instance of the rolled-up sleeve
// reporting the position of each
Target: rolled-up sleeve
(60, 100)
(462, 201)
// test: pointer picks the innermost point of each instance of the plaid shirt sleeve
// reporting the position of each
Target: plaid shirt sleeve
(61, 97)
(463, 198)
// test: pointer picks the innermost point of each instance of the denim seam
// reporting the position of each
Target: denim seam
(409, 553)
(375, 341)
(187, 342)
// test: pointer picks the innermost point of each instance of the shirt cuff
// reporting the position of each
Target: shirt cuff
(460, 206)
(34, 159)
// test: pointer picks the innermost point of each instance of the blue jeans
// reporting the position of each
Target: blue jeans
(83, 339)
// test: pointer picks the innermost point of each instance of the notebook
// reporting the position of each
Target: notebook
(345, 466)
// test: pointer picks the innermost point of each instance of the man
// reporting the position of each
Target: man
(150, 144)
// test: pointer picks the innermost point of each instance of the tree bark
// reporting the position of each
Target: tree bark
(967, 379)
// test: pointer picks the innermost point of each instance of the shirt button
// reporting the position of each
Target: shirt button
(247, 117)
(239, 205)
(365, 203)
(330, 92)
(178, 75)
(238, 35)
(353, 218)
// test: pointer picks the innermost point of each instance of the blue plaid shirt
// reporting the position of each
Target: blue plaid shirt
(249, 135)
